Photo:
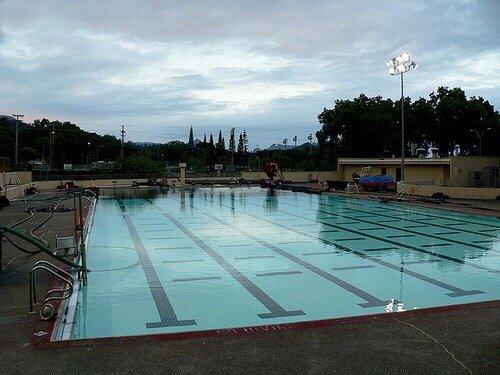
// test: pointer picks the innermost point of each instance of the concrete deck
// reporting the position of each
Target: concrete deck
(455, 341)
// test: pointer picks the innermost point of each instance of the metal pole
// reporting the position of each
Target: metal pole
(1, 250)
(402, 132)
(16, 159)
(82, 240)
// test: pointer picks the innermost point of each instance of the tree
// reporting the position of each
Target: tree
(232, 142)
(191, 139)
(245, 142)
(220, 143)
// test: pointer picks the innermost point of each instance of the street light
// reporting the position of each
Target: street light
(399, 65)
(310, 143)
(17, 137)
(480, 136)
(88, 144)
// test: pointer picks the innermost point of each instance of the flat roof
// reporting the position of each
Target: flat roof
(393, 161)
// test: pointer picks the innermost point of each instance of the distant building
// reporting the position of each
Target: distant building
(466, 171)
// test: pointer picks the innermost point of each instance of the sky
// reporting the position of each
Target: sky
(269, 67)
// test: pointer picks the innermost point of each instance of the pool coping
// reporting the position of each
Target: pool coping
(44, 342)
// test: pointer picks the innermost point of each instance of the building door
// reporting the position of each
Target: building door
(398, 174)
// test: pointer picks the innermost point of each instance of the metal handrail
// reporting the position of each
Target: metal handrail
(56, 268)
(33, 285)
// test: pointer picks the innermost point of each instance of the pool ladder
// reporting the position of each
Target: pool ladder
(63, 293)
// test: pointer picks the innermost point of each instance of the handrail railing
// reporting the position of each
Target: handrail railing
(48, 310)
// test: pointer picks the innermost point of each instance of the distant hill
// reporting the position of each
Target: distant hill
(280, 146)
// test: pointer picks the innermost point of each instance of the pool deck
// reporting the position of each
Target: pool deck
(423, 341)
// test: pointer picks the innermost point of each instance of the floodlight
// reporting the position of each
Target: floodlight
(405, 57)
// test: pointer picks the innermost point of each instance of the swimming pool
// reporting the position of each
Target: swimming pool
(217, 258)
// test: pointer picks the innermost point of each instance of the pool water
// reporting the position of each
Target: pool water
(217, 258)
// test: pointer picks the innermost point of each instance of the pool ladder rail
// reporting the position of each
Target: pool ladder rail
(47, 311)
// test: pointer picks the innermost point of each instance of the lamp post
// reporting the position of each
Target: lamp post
(480, 136)
(16, 155)
(88, 144)
(310, 143)
(399, 65)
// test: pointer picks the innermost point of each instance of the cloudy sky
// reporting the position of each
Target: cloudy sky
(267, 66)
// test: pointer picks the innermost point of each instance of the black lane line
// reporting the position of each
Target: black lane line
(236, 245)
(399, 244)
(421, 261)
(183, 261)
(460, 221)
(168, 318)
(350, 239)
(371, 301)
(402, 229)
(164, 238)
(282, 273)
(487, 230)
(292, 242)
(381, 248)
(276, 310)
(455, 291)
(319, 253)
(401, 236)
(329, 231)
(445, 233)
(371, 228)
(416, 226)
(255, 257)
(353, 267)
(415, 233)
(184, 279)
(173, 248)
(436, 244)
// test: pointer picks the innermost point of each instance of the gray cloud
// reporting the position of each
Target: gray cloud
(259, 64)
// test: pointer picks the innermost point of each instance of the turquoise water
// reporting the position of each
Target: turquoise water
(224, 258)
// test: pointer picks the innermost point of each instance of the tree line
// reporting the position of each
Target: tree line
(448, 121)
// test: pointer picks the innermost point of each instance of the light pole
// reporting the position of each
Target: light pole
(480, 136)
(285, 141)
(310, 143)
(400, 65)
(88, 144)
(17, 138)
(295, 140)
(51, 148)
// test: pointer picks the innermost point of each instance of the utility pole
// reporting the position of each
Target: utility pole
(310, 143)
(123, 139)
(16, 156)
(285, 141)
(51, 148)
(295, 140)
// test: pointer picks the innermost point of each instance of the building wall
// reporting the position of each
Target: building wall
(431, 174)
(451, 191)
(461, 165)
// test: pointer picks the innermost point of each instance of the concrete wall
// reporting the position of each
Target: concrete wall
(295, 176)
(451, 191)
(461, 165)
